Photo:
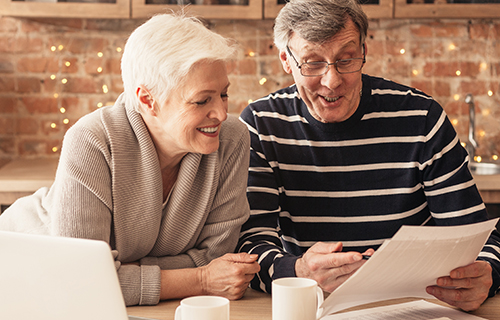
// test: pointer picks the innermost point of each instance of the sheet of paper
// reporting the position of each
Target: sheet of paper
(415, 310)
(412, 260)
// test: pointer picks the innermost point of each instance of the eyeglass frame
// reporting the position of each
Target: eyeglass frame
(299, 66)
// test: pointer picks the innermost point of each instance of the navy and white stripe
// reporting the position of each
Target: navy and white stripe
(397, 161)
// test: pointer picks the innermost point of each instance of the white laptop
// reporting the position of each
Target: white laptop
(56, 278)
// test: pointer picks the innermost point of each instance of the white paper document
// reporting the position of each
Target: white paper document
(412, 260)
(415, 310)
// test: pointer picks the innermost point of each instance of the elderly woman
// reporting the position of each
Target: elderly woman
(161, 175)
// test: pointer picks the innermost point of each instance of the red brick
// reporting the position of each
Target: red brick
(476, 87)
(27, 126)
(7, 146)
(7, 84)
(91, 65)
(73, 65)
(38, 65)
(86, 45)
(449, 69)
(28, 85)
(6, 66)
(35, 105)
(7, 125)
(113, 65)
(8, 24)
(20, 45)
(7, 105)
(82, 85)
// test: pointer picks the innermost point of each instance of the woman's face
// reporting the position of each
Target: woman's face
(190, 119)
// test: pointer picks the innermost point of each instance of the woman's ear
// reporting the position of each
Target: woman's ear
(146, 99)
(285, 62)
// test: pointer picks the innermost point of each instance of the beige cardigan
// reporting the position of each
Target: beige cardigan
(108, 186)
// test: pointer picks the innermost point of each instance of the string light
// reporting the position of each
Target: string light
(454, 122)
(402, 51)
(456, 97)
(251, 54)
(250, 101)
(56, 95)
(105, 88)
(452, 47)
(262, 81)
(60, 47)
(66, 121)
(100, 54)
(494, 157)
(53, 48)
(415, 72)
(54, 149)
(64, 81)
(483, 66)
(62, 110)
(99, 69)
(458, 72)
(490, 93)
(482, 133)
(53, 125)
(99, 104)
(67, 63)
(52, 77)
(478, 158)
(118, 49)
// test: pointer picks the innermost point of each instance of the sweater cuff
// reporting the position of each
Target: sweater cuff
(284, 267)
(141, 285)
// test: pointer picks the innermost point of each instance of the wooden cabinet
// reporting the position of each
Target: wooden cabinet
(84, 9)
(443, 9)
(376, 10)
(229, 9)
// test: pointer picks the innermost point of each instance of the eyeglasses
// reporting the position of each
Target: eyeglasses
(319, 68)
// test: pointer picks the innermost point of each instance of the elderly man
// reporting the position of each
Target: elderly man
(341, 160)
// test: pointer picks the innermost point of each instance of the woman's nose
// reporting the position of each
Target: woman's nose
(219, 111)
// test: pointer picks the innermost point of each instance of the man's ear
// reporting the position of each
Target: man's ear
(285, 62)
(146, 99)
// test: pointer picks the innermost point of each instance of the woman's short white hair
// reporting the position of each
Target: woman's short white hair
(161, 52)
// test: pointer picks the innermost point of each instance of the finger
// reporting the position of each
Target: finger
(473, 270)
(369, 252)
(464, 299)
(322, 247)
(336, 260)
(241, 257)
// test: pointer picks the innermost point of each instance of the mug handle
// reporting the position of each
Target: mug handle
(178, 313)
(320, 302)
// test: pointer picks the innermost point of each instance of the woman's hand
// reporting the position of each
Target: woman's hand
(229, 275)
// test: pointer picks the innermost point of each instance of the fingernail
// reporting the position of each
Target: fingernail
(357, 257)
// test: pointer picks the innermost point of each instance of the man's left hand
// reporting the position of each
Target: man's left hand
(466, 287)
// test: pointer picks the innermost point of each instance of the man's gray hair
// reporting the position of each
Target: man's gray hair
(317, 21)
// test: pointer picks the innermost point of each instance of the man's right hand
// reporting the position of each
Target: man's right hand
(325, 263)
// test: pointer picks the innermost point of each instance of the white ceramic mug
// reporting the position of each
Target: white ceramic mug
(296, 299)
(203, 308)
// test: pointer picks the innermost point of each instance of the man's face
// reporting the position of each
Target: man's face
(332, 97)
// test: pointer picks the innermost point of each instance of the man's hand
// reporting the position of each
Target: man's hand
(326, 264)
(466, 287)
(229, 275)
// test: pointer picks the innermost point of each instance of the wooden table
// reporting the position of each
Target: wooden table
(257, 306)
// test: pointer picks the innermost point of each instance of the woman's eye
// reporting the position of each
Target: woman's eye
(224, 96)
(201, 103)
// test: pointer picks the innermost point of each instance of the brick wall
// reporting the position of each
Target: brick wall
(53, 71)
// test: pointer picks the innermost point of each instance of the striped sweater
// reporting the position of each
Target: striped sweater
(396, 161)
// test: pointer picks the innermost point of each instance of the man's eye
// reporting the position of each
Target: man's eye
(314, 65)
